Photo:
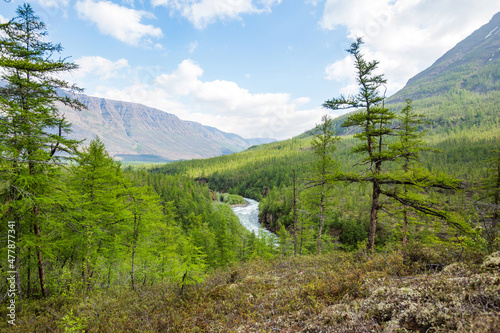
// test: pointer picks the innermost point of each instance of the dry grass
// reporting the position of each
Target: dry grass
(342, 292)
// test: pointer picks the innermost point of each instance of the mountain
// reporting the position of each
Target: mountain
(473, 65)
(135, 132)
(460, 91)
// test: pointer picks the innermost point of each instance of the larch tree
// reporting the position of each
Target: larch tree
(147, 219)
(324, 166)
(409, 145)
(376, 144)
(33, 133)
(374, 120)
(100, 213)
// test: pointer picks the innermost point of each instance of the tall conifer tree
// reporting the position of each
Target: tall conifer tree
(324, 166)
(100, 211)
(375, 144)
(32, 130)
(373, 119)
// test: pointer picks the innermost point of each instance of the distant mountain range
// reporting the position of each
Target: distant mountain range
(135, 132)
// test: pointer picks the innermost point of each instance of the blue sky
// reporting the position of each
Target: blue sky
(258, 68)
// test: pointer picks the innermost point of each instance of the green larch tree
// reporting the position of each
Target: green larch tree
(378, 129)
(100, 213)
(409, 145)
(33, 132)
(489, 205)
(374, 120)
(147, 218)
(324, 166)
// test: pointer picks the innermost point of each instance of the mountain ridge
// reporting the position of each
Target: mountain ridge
(136, 132)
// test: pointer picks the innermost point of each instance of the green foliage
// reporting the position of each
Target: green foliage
(488, 207)
(72, 324)
(32, 132)
(375, 123)
(94, 228)
(323, 147)
(232, 199)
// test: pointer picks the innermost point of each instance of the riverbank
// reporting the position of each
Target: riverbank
(239, 205)
(232, 200)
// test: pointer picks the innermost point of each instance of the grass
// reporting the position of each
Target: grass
(419, 291)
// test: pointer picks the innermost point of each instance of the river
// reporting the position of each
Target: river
(249, 216)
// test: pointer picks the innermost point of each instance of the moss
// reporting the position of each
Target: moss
(342, 292)
(492, 262)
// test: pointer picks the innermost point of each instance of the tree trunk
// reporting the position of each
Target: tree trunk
(405, 226)
(321, 221)
(294, 217)
(496, 201)
(17, 265)
(28, 275)
(374, 209)
(109, 276)
(301, 237)
(134, 244)
(36, 227)
(405, 221)
(41, 267)
(132, 277)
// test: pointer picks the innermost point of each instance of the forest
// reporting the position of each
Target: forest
(397, 202)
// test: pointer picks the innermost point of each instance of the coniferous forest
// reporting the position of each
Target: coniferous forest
(386, 219)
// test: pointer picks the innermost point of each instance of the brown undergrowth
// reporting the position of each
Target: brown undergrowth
(340, 292)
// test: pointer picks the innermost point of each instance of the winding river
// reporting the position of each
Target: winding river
(249, 217)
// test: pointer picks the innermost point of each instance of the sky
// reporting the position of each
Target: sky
(257, 68)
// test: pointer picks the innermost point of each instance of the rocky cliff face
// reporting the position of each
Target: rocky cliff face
(135, 132)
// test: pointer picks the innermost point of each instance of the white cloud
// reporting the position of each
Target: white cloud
(3, 19)
(340, 69)
(193, 46)
(158, 46)
(203, 12)
(312, 2)
(219, 103)
(117, 21)
(101, 67)
(406, 36)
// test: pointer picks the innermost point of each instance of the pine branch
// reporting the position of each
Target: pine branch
(32, 161)
(423, 181)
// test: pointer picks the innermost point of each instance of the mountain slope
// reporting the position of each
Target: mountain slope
(135, 132)
(460, 91)
(473, 65)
